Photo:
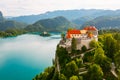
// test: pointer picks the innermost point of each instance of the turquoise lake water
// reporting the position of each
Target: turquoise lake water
(22, 57)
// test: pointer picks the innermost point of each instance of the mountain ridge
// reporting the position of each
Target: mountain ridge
(69, 14)
(1, 17)
(104, 22)
(9, 24)
(56, 24)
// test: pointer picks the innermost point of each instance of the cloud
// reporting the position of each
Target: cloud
(26, 7)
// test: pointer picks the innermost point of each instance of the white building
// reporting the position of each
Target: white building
(83, 37)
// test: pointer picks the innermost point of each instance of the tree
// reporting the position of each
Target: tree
(117, 36)
(84, 48)
(99, 55)
(88, 57)
(46, 75)
(101, 59)
(95, 72)
(110, 46)
(55, 76)
(117, 59)
(74, 78)
(71, 69)
(101, 39)
(80, 77)
(62, 56)
(118, 74)
(73, 45)
(62, 77)
(63, 36)
(93, 44)
(79, 62)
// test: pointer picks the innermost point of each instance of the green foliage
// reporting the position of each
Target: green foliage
(74, 78)
(104, 22)
(34, 28)
(5, 25)
(116, 36)
(110, 76)
(62, 77)
(99, 55)
(118, 74)
(46, 75)
(55, 76)
(106, 31)
(79, 62)
(101, 39)
(88, 57)
(94, 44)
(95, 72)
(117, 59)
(57, 24)
(73, 45)
(96, 62)
(80, 77)
(63, 36)
(71, 68)
(101, 59)
(62, 56)
(12, 32)
(110, 45)
(84, 48)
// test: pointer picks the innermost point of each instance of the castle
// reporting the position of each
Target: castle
(83, 37)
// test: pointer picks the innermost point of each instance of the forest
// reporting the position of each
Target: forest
(12, 32)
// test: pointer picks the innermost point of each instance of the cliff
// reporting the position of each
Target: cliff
(86, 64)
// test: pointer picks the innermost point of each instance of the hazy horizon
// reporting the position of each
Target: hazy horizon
(55, 10)
(29, 7)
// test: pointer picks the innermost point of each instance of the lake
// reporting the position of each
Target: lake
(24, 56)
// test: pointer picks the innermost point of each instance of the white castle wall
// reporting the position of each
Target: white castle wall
(82, 39)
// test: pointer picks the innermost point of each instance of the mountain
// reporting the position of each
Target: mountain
(69, 14)
(80, 21)
(104, 22)
(9, 24)
(56, 24)
(1, 17)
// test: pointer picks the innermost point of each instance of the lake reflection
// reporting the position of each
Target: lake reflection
(22, 57)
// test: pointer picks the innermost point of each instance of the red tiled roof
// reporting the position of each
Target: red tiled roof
(74, 31)
(68, 36)
(90, 28)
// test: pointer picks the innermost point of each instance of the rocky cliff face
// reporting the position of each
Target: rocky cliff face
(1, 17)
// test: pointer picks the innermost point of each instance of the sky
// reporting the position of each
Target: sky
(29, 7)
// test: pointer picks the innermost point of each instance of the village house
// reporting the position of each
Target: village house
(83, 37)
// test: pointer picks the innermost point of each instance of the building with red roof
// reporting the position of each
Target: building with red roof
(73, 33)
(83, 37)
(89, 31)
